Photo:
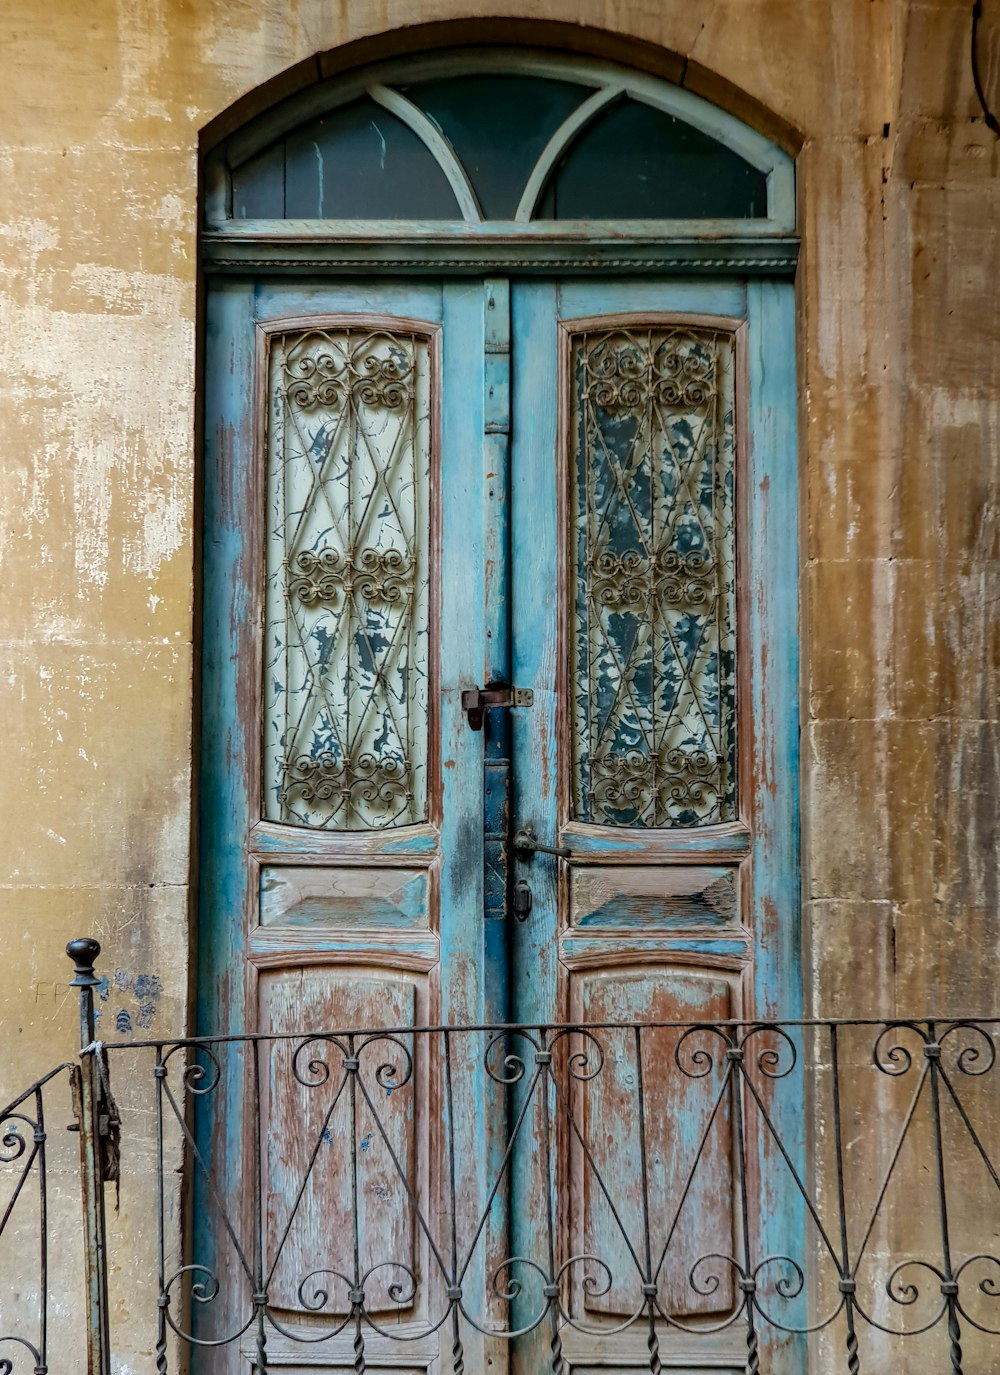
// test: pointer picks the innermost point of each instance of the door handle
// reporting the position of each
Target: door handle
(526, 843)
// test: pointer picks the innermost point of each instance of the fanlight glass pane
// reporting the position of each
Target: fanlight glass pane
(653, 655)
(498, 127)
(635, 162)
(360, 162)
(347, 593)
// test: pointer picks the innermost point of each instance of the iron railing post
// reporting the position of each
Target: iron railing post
(83, 953)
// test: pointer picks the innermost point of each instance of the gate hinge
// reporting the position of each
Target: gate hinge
(475, 701)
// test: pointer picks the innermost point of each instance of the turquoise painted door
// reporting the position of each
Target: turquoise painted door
(342, 790)
(583, 490)
(653, 587)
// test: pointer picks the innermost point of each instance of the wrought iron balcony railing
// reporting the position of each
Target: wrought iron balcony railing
(755, 1196)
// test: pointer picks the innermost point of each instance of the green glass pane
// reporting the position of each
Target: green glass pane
(498, 127)
(637, 163)
(259, 186)
(360, 162)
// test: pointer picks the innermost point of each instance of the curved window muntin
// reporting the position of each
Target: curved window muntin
(606, 81)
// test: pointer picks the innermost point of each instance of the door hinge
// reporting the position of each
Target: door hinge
(476, 701)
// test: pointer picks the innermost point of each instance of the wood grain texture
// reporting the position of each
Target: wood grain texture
(310, 896)
(649, 899)
(677, 1135)
(320, 1153)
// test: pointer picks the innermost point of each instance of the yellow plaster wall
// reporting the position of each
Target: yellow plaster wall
(100, 111)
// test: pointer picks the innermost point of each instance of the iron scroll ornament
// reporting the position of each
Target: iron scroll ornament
(347, 594)
(742, 1073)
(653, 657)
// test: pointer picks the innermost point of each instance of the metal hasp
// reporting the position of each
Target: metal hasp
(476, 701)
(98, 1120)
(525, 843)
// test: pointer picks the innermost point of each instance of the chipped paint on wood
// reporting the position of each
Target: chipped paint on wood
(649, 899)
(356, 898)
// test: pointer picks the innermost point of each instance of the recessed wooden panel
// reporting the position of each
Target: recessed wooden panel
(322, 1141)
(638, 1368)
(677, 1135)
(370, 1369)
(361, 897)
(663, 898)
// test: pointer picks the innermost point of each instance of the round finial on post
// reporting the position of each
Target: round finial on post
(84, 952)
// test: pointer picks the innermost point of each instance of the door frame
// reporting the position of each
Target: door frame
(763, 257)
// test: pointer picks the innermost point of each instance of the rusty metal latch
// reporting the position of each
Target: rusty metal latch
(109, 1123)
(476, 701)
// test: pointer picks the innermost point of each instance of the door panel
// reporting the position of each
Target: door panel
(644, 457)
(344, 897)
(682, 899)
(301, 1224)
(703, 1221)
(342, 796)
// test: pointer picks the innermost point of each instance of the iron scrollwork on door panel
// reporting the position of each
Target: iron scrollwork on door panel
(653, 659)
(347, 596)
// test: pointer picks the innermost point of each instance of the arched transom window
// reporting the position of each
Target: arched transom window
(511, 143)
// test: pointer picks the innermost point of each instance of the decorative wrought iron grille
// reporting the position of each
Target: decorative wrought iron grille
(652, 461)
(346, 605)
(24, 1224)
(648, 1150)
(742, 1194)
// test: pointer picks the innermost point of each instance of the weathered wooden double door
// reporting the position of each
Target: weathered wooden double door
(499, 727)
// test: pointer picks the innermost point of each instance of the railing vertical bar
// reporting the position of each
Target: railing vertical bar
(43, 1240)
(949, 1285)
(161, 1297)
(357, 1294)
(84, 953)
(846, 1278)
(544, 1061)
(457, 1351)
(260, 1297)
(652, 1340)
(734, 1056)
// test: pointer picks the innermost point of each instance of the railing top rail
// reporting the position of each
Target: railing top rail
(32, 1089)
(936, 1021)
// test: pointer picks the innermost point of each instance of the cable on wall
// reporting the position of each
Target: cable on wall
(991, 120)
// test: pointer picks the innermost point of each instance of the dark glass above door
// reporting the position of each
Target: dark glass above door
(513, 140)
